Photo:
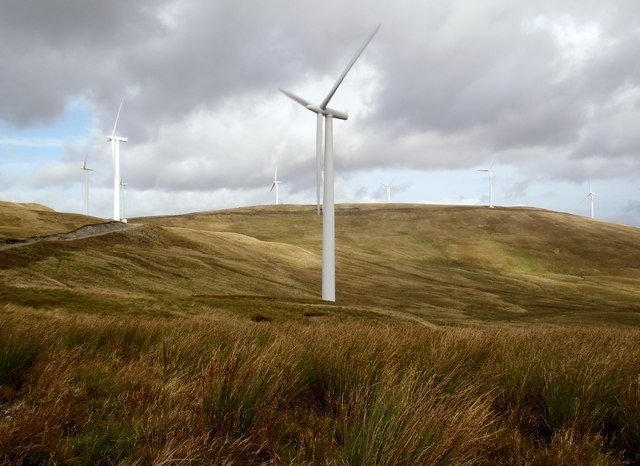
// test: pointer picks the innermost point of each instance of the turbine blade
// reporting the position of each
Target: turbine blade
(272, 186)
(491, 164)
(333, 90)
(84, 166)
(113, 133)
(292, 96)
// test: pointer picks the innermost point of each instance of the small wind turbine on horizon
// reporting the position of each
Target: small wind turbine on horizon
(591, 194)
(86, 184)
(115, 153)
(328, 208)
(276, 184)
(490, 171)
(387, 188)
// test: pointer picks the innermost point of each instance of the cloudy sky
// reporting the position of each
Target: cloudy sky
(548, 90)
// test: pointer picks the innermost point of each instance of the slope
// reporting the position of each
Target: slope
(21, 221)
(440, 264)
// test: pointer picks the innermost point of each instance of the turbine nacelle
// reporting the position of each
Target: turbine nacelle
(329, 111)
(116, 138)
(340, 115)
(85, 168)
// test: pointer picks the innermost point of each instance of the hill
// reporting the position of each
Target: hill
(460, 335)
(20, 221)
(439, 264)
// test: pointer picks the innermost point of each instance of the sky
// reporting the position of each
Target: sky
(546, 90)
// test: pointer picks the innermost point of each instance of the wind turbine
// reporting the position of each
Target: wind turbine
(591, 194)
(328, 208)
(276, 184)
(387, 188)
(490, 171)
(86, 184)
(115, 153)
(123, 186)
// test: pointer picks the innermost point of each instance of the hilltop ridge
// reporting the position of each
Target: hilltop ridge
(25, 220)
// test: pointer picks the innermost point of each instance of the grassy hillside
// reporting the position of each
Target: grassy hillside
(460, 335)
(20, 221)
(445, 262)
(441, 264)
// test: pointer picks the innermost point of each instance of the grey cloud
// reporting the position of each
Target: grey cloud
(460, 82)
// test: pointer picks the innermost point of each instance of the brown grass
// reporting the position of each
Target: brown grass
(132, 390)
(20, 221)
(438, 264)
(460, 336)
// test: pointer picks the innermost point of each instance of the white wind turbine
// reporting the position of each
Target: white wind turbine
(387, 188)
(276, 184)
(86, 185)
(115, 153)
(490, 171)
(328, 213)
(591, 194)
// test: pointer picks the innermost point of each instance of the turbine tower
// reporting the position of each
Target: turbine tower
(490, 172)
(276, 184)
(86, 184)
(115, 153)
(328, 209)
(387, 188)
(591, 194)
(123, 186)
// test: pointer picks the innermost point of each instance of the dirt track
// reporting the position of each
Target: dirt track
(87, 231)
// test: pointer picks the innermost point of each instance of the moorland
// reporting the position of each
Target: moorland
(460, 335)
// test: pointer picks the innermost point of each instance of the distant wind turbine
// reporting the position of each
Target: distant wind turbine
(328, 208)
(387, 188)
(490, 171)
(123, 186)
(276, 184)
(115, 153)
(591, 194)
(86, 184)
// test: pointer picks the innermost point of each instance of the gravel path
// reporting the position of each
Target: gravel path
(87, 231)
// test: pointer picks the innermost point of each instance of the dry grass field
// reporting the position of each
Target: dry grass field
(460, 335)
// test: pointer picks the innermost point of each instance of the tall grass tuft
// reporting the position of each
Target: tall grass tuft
(573, 387)
(407, 420)
(18, 354)
(244, 386)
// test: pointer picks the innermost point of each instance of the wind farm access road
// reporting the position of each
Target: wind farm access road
(87, 231)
